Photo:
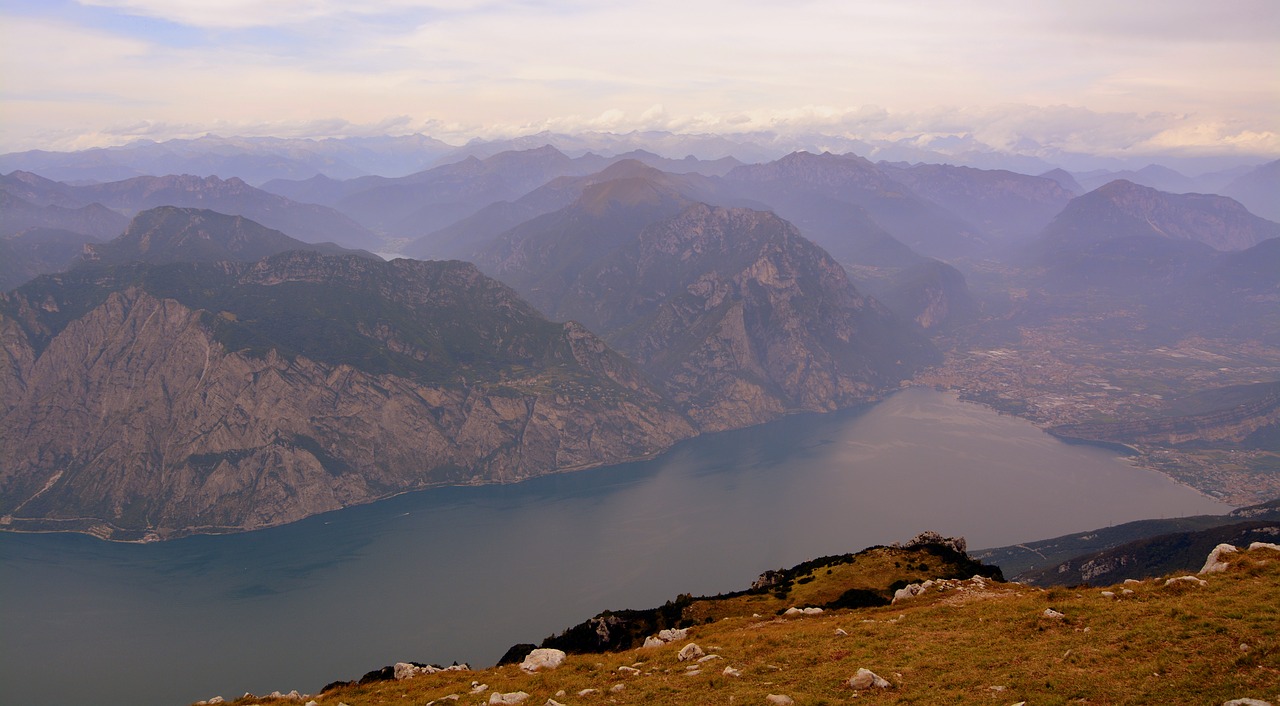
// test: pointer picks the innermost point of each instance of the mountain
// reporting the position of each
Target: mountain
(308, 222)
(1123, 209)
(1151, 557)
(38, 251)
(1065, 180)
(94, 220)
(418, 204)
(471, 236)
(789, 186)
(738, 316)
(1257, 190)
(933, 294)
(171, 234)
(1021, 559)
(254, 159)
(1005, 205)
(152, 401)
(1152, 176)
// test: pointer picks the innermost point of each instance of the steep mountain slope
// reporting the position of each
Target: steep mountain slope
(155, 401)
(789, 184)
(307, 222)
(1122, 209)
(170, 234)
(740, 317)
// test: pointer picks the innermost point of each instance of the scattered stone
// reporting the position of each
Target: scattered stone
(1246, 702)
(628, 670)
(617, 687)
(652, 641)
(708, 658)
(588, 692)
(1215, 563)
(1244, 647)
(792, 611)
(478, 688)
(673, 634)
(1186, 580)
(442, 699)
(841, 633)
(731, 672)
(560, 694)
(996, 688)
(1264, 545)
(542, 658)
(552, 702)
(312, 703)
(291, 696)
(1131, 582)
(1109, 594)
(1051, 613)
(1126, 592)
(690, 652)
(779, 700)
(865, 679)
(692, 672)
(509, 698)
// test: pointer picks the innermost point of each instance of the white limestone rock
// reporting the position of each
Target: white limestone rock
(1246, 702)
(508, 699)
(731, 672)
(1215, 563)
(1051, 613)
(1186, 581)
(542, 658)
(779, 700)
(1264, 545)
(866, 679)
(690, 652)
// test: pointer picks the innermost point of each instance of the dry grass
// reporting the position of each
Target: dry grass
(970, 644)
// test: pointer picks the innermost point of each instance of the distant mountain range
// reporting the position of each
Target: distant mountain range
(308, 222)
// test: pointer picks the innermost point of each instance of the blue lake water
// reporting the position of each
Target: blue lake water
(463, 573)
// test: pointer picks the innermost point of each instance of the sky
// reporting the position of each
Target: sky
(1098, 76)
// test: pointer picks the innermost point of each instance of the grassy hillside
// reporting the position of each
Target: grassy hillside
(962, 642)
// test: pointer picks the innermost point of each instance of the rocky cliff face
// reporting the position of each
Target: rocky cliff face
(739, 317)
(131, 413)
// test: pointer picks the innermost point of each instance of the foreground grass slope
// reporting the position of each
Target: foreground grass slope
(972, 642)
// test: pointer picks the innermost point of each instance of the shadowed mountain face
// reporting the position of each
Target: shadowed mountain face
(170, 234)
(1122, 209)
(307, 222)
(299, 384)
(738, 316)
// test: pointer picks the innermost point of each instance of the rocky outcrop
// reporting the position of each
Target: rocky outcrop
(130, 411)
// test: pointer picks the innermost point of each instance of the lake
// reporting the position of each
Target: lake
(464, 573)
